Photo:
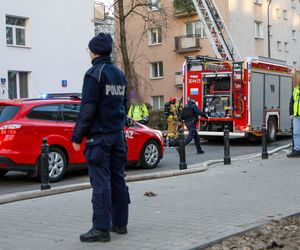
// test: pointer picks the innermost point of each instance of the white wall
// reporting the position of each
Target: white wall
(58, 32)
(241, 25)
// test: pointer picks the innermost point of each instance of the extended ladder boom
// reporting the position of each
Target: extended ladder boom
(219, 36)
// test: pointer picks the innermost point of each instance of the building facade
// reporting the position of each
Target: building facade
(158, 52)
(43, 46)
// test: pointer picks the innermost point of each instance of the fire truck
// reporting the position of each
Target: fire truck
(241, 95)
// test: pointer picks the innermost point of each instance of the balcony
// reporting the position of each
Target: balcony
(190, 43)
(183, 13)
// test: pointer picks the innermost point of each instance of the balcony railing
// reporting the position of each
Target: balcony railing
(182, 13)
(187, 43)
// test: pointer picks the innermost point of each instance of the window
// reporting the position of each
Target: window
(15, 31)
(70, 112)
(155, 36)
(285, 15)
(154, 4)
(295, 64)
(258, 1)
(17, 84)
(195, 28)
(8, 112)
(286, 47)
(258, 27)
(156, 70)
(45, 112)
(294, 34)
(279, 46)
(158, 102)
(278, 13)
(293, 2)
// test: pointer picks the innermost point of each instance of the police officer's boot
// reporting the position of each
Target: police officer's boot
(95, 235)
(119, 230)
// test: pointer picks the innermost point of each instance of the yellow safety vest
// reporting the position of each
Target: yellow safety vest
(138, 111)
(296, 96)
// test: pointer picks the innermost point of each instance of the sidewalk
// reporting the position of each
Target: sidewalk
(188, 210)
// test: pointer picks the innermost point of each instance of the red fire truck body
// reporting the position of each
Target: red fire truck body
(241, 95)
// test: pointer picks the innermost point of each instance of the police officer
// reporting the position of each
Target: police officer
(295, 115)
(190, 115)
(101, 120)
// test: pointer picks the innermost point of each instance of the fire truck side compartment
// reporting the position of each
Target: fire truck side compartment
(270, 92)
(286, 84)
(257, 100)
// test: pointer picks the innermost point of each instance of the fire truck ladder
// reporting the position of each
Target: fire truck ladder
(219, 36)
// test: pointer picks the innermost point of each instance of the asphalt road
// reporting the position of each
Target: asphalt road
(16, 182)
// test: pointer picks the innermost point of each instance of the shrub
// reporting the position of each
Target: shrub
(184, 5)
(157, 119)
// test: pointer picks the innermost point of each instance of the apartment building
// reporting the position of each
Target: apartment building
(158, 52)
(43, 46)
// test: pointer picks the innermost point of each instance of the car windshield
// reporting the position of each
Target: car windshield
(8, 112)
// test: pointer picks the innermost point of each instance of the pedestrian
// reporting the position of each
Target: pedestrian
(295, 115)
(101, 121)
(190, 116)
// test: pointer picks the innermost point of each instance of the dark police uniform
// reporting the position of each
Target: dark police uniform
(190, 115)
(101, 120)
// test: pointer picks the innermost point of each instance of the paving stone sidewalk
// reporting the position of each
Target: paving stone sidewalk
(188, 210)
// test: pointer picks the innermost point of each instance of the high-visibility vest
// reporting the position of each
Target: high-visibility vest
(138, 111)
(296, 96)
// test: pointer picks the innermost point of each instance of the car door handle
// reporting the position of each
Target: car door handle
(68, 129)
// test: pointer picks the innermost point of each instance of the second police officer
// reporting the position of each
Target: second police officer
(101, 120)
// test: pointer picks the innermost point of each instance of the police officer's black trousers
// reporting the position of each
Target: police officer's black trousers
(106, 156)
(193, 134)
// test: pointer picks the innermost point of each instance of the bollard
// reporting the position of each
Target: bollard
(44, 163)
(182, 156)
(227, 159)
(264, 152)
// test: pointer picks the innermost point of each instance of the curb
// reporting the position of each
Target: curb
(19, 196)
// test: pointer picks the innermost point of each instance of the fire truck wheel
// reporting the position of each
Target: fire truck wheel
(272, 129)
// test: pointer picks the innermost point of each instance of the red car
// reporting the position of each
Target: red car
(23, 124)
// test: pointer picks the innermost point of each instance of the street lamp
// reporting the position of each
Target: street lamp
(269, 29)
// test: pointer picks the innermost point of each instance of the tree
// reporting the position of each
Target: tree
(124, 9)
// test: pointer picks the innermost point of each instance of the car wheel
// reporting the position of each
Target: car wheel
(57, 164)
(150, 155)
(272, 129)
(3, 172)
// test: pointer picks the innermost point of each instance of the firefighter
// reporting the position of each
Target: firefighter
(101, 120)
(295, 115)
(172, 119)
(190, 116)
(139, 112)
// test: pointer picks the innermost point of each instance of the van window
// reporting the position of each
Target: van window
(8, 112)
(45, 112)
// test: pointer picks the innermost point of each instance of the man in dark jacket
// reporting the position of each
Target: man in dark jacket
(190, 116)
(101, 121)
(295, 115)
